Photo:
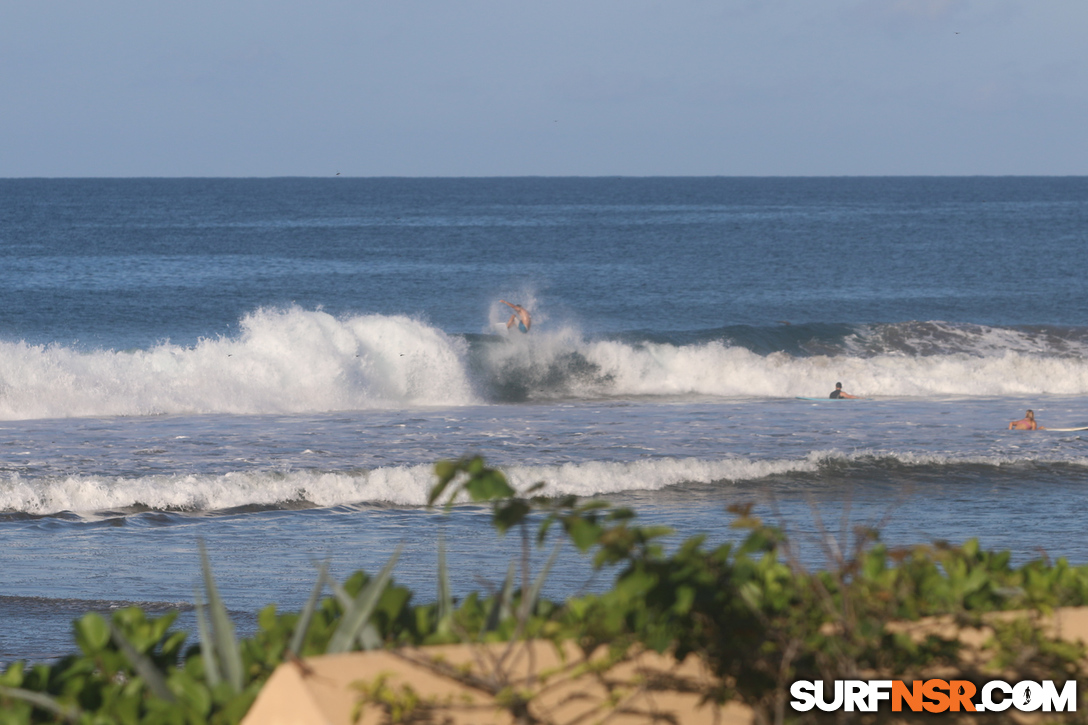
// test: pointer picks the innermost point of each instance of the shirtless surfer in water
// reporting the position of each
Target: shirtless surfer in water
(520, 316)
(1026, 423)
(838, 392)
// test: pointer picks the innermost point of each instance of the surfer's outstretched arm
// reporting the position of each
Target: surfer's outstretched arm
(520, 313)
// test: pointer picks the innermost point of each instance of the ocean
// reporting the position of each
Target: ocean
(273, 366)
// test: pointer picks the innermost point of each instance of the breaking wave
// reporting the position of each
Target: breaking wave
(409, 485)
(298, 361)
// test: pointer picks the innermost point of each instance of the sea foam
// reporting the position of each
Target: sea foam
(398, 485)
(410, 485)
(283, 361)
(300, 361)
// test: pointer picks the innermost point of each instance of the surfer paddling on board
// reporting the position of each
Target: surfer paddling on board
(838, 392)
(1026, 423)
(520, 316)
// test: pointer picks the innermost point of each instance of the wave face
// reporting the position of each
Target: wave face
(399, 485)
(902, 359)
(409, 485)
(298, 361)
(283, 361)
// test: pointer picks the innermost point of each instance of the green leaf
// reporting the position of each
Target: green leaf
(685, 597)
(41, 701)
(298, 637)
(445, 598)
(340, 593)
(207, 644)
(357, 615)
(144, 667)
(538, 486)
(445, 470)
(542, 532)
(92, 633)
(226, 645)
(193, 694)
(510, 514)
(620, 514)
(500, 608)
(635, 584)
(13, 675)
(583, 532)
(369, 638)
(538, 583)
(488, 486)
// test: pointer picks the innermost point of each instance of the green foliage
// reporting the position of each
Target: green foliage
(221, 647)
(356, 616)
(748, 608)
(401, 706)
(1020, 646)
(479, 482)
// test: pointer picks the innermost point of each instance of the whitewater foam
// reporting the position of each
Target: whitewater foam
(564, 364)
(283, 361)
(303, 361)
(410, 485)
(399, 485)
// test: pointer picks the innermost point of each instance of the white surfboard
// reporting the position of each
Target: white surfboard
(1064, 430)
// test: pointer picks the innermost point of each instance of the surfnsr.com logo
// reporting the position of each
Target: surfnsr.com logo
(934, 696)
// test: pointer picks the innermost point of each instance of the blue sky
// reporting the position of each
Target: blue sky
(494, 88)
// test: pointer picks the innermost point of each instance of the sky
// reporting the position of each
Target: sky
(242, 88)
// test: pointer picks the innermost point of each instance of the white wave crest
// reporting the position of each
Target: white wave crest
(934, 337)
(301, 361)
(410, 485)
(283, 361)
(577, 367)
(399, 485)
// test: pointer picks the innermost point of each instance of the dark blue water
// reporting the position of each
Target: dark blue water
(126, 263)
(273, 365)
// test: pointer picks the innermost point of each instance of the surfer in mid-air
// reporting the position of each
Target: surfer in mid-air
(838, 392)
(520, 316)
(1026, 423)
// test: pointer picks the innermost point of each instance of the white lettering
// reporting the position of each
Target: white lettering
(867, 695)
(804, 695)
(1027, 696)
(1064, 702)
(834, 704)
(857, 695)
(987, 696)
(879, 690)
